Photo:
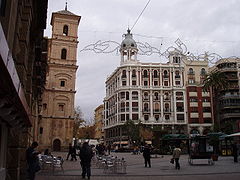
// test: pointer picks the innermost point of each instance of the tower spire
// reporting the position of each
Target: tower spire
(66, 6)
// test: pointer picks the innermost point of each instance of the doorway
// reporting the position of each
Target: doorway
(56, 145)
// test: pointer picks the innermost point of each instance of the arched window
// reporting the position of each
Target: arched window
(166, 96)
(145, 73)
(65, 30)
(135, 95)
(203, 71)
(177, 74)
(165, 74)
(190, 71)
(64, 54)
(167, 109)
(145, 107)
(134, 73)
(155, 74)
(156, 96)
(124, 74)
(145, 96)
(127, 95)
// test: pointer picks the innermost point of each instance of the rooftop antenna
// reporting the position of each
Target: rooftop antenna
(66, 6)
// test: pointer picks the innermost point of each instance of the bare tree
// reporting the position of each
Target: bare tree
(78, 121)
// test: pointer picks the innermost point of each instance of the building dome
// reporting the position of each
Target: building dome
(128, 42)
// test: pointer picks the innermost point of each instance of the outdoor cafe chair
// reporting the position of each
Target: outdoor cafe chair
(58, 163)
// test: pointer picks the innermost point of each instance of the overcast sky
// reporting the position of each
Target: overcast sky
(203, 25)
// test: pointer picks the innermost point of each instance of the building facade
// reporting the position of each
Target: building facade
(199, 102)
(56, 126)
(98, 117)
(22, 77)
(151, 93)
(227, 101)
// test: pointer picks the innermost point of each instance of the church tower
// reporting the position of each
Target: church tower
(56, 125)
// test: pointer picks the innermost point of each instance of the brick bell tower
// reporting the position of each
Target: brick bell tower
(56, 125)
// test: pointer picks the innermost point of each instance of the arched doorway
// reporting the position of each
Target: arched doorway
(56, 145)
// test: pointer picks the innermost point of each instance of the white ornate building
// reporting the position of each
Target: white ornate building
(150, 93)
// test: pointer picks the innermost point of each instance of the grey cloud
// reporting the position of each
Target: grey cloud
(203, 25)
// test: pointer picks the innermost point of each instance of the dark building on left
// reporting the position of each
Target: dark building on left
(23, 62)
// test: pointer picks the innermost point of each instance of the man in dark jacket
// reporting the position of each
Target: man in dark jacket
(86, 155)
(235, 152)
(32, 160)
(147, 156)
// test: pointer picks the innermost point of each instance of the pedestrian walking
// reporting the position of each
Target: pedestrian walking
(73, 154)
(69, 150)
(109, 149)
(86, 155)
(176, 156)
(32, 160)
(235, 152)
(147, 156)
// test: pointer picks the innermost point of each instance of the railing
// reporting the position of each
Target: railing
(229, 115)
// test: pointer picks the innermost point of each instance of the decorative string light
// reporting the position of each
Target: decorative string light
(148, 50)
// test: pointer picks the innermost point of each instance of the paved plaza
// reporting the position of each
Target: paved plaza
(161, 168)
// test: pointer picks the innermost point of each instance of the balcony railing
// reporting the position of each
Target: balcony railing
(146, 110)
(134, 97)
(206, 104)
(230, 115)
(194, 115)
(135, 109)
(207, 115)
(146, 98)
(191, 73)
(180, 109)
(166, 110)
(193, 104)
(193, 94)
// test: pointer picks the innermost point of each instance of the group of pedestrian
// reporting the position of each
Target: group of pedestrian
(86, 154)
(147, 156)
(177, 153)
